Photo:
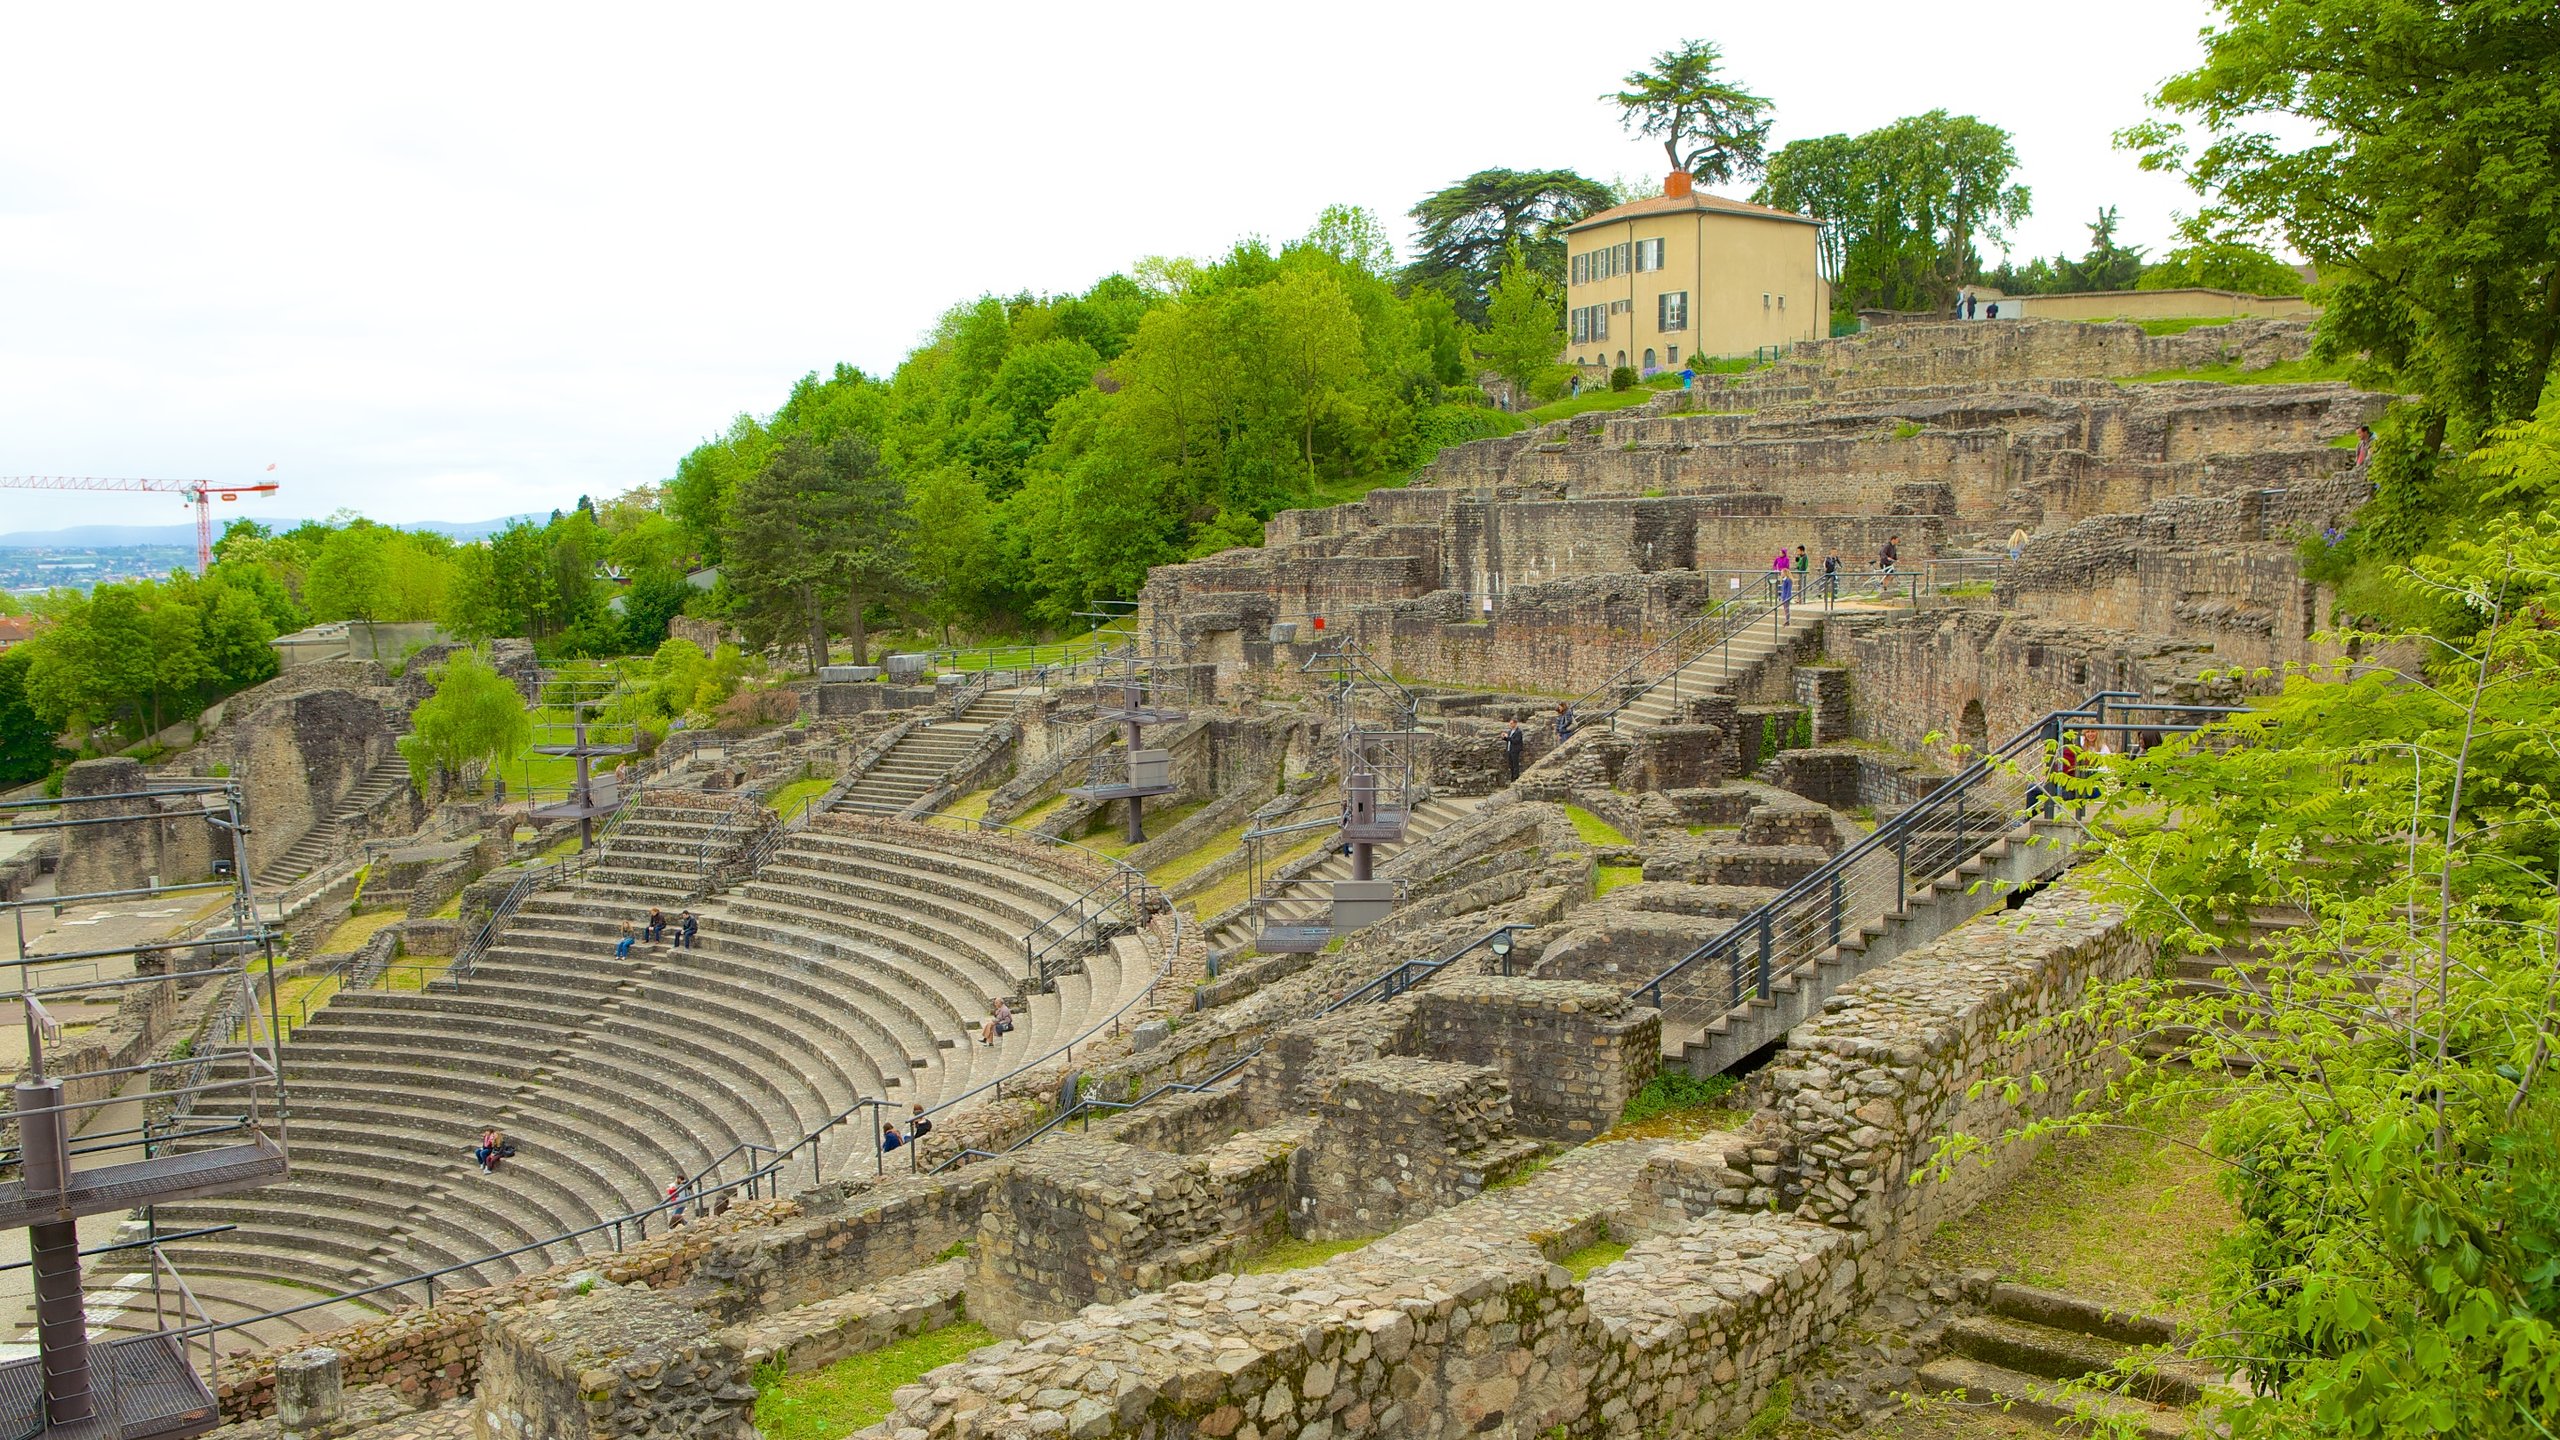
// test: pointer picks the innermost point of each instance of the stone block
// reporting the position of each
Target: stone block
(613, 1363)
(1397, 1139)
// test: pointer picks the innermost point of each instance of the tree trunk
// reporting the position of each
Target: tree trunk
(861, 637)
(2549, 338)
(817, 629)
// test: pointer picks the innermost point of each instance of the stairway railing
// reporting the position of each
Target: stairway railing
(1955, 823)
(1716, 629)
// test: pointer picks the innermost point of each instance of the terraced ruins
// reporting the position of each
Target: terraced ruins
(1763, 847)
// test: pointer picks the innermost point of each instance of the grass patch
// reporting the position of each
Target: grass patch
(1587, 402)
(790, 799)
(1610, 877)
(1676, 1105)
(965, 812)
(297, 999)
(451, 909)
(1593, 829)
(1715, 829)
(1109, 832)
(1592, 1256)
(561, 848)
(2282, 372)
(1041, 811)
(1907, 429)
(2115, 1217)
(1236, 888)
(2179, 325)
(1522, 1176)
(1295, 1254)
(1028, 654)
(854, 1392)
(1170, 873)
(415, 975)
(355, 930)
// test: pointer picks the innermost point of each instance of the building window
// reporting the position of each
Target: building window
(1618, 261)
(1648, 255)
(1581, 269)
(1648, 362)
(1782, 302)
(1671, 311)
(1590, 322)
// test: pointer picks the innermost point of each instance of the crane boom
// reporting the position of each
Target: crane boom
(198, 493)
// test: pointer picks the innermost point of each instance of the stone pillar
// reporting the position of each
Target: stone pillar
(310, 1392)
(1823, 691)
(1398, 1139)
(1077, 1221)
(1572, 1053)
(106, 857)
(615, 1363)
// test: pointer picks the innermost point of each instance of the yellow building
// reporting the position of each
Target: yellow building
(1654, 282)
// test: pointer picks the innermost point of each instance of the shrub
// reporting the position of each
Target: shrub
(761, 705)
(1623, 378)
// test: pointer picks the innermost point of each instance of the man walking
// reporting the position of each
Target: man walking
(1512, 741)
(1885, 559)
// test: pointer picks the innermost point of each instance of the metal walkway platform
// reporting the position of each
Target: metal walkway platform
(157, 1180)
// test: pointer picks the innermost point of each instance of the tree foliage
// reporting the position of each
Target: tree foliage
(475, 715)
(1903, 206)
(1463, 233)
(1708, 125)
(2410, 151)
(27, 749)
(2107, 265)
(1525, 329)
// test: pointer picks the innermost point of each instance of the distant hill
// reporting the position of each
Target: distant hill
(98, 537)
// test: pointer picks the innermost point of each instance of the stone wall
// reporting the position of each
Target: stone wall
(611, 1364)
(169, 841)
(1398, 1139)
(1075, 1221)
(1918, 677)
(1571, 1054)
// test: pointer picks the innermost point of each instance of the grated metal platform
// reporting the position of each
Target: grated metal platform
(145, 1391)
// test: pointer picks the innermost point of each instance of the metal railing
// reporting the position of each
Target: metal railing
(1920, 849)
(1118, 902)
(1386, 985)
(1669, 658)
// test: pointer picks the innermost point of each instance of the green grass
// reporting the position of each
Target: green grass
(1587, 402)
(1110, 830)
(1675, 1105)
(1169, 873)
(1526, 1173)
(2117, 1217)
(1045, 652)
(2282, 372)
(1238, 887)
(1610, 877)
(1295, 1254)
(1593, 829)
(353, 931)
(2179, 326)
(965, 812)
(854, 1392)
(789, 800)
(451, 909)
(1592, 1256)
(1908, 429)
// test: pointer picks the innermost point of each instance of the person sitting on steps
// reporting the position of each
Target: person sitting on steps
(492, 1149)
(622, 947)
(998, 1023)
(657, 927)
(684, 931)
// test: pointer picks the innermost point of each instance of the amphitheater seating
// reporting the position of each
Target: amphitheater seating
(858, 964)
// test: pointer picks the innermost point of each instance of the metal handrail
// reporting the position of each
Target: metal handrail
(1386, 985)
(1951, 825)
(755, 1177)
(1719, 625)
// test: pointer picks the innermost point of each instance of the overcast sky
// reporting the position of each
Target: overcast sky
(483, 259)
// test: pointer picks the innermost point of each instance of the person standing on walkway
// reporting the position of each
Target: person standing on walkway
(679, 1197)
(1971, 304)
(2364, 445)
(1512, 742)
(2017, 541)
(1831, 577)
(1779, 567)
(1885, 559)
(1564, 721)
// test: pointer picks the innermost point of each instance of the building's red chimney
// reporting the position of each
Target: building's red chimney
(1676, 184)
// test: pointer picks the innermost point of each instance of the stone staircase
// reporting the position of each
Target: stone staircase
(1432, 816)
(319, 845)
(1729, 668)
(858, 964)
(918, 763)
(1701, 1032)
(670, 846)
(2024, 1353)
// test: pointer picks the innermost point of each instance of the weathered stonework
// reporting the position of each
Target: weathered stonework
(1398, 1139)
(610, 1364)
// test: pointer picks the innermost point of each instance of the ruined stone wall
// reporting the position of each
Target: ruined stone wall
(611, 1364)
(1398, 1139)
(298, 758)
(1951, 673)
(1572, 1054)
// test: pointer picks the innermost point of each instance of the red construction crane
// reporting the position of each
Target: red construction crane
(198, 492)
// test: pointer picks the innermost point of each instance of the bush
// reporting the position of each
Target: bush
(1623, 378)
(763, 705)
(1676, 1090)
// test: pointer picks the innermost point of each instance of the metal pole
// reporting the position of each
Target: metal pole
(62, 1322)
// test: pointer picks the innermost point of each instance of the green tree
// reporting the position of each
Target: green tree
(1463, 232)
(350, 577)
(1525, 332)
(2108, 265)
(1708, 125)
(475, 714)
(1315, 347)
(870, 548)
(2410, 151)
(777, 541)
(2204, 263)
(954, 538)
(1903, 206)
(656, 595)
(27, 751)
(1355, 239)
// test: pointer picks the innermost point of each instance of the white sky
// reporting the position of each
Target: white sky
(486, 258)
